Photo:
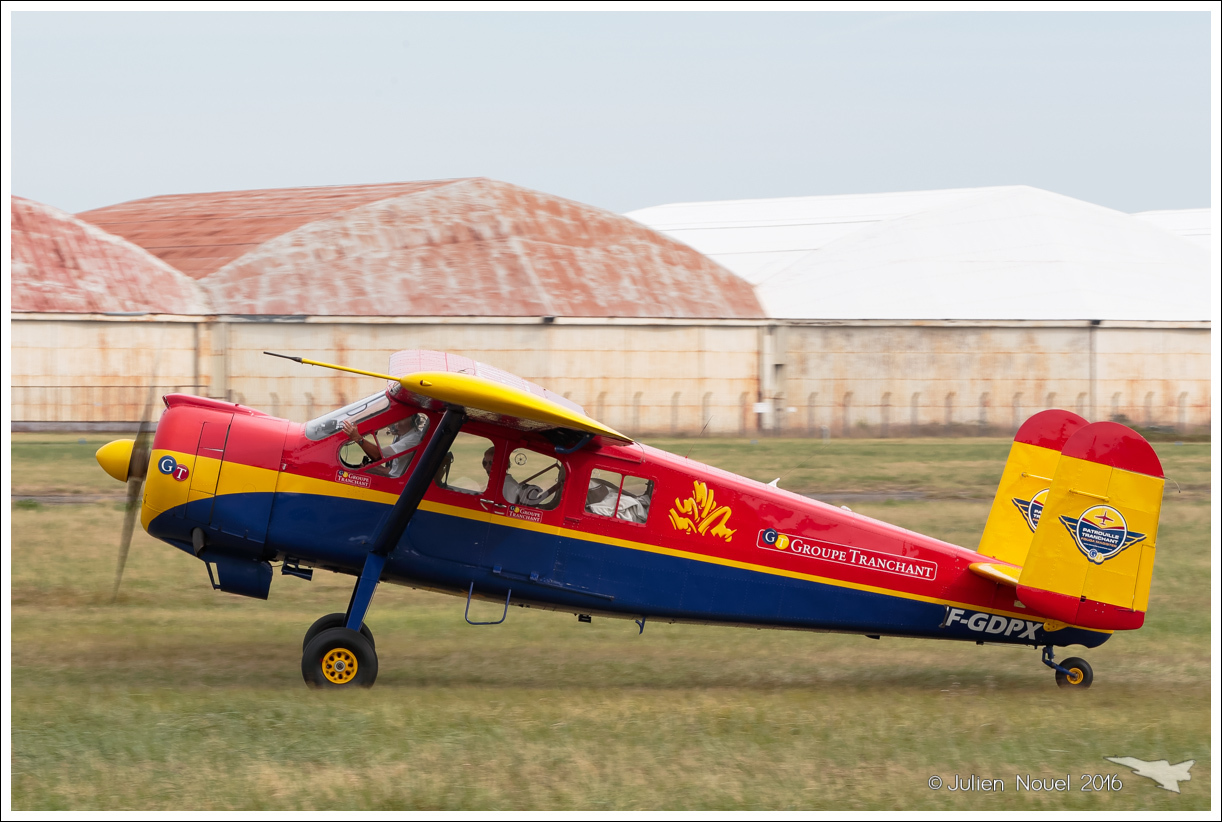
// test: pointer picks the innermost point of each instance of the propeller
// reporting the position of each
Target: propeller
(137, 470)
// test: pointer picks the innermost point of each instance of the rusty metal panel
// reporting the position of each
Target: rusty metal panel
(860, 380)
(601, 368)
(82, 371)
(641, 378)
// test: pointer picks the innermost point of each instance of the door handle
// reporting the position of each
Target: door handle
(492, 505)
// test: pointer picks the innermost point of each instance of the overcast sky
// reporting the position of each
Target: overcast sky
(619, 110)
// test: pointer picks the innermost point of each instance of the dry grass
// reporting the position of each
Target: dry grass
(181, 698)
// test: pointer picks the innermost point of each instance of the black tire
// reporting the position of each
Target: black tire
(334, 621)
(339, 658)
(1080, 674)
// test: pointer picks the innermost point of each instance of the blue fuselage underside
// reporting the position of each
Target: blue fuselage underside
(447, 552)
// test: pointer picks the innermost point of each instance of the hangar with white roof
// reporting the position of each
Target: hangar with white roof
(960, 311)
(950, 309)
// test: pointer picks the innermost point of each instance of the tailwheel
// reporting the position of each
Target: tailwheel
(339, 658)
(1074, 673)
(334, 621)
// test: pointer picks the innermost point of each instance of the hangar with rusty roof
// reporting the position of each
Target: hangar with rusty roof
(589, 303)
(919, 312)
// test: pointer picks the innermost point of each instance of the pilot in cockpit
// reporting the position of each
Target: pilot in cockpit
(407, 434)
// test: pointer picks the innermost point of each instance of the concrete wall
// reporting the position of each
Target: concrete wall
(660, 377)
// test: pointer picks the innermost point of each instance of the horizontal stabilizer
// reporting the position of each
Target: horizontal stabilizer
(1092, 555)
(996, 572)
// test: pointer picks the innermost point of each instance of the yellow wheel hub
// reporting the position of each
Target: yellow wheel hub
(339, 666)
(1075, 676)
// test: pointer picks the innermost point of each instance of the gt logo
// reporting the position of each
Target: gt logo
(169, 465)
(992, 623)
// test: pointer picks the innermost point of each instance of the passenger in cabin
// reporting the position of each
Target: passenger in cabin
(601, 500)
(407, 434)
(607, 498)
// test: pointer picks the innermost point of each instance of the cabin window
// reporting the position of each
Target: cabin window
(357, 412)
(616, 495)
(533, 479)
(468, 465)
(396, 444)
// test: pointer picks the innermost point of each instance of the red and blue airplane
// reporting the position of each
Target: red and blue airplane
(465, 479)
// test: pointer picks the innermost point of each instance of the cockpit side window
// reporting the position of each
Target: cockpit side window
(533, 479)
(469, 464)
(357, 412)
(614, 495)
(387, 451)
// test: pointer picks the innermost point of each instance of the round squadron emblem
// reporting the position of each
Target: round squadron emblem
(1101, 533)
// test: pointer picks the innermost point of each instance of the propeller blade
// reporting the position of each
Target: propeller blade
(137, 471)
(134, 487)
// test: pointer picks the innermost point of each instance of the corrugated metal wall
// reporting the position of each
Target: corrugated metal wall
(918, 379)
(72, 370)
(627, 376)
(657, 377)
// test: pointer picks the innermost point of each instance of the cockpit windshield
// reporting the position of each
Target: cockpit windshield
(325, 426)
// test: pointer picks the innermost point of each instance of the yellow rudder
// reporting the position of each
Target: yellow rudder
(1092, 556)
(1022, 491)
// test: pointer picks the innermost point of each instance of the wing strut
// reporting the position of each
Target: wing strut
(396, 521)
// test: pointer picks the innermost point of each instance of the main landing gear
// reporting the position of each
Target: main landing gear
(337, 654)
(338, 657)
(1071, 673)
(338, 651)
(331, 655)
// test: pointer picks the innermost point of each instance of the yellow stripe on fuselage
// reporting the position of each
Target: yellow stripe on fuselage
(237, 478)
(298, 484)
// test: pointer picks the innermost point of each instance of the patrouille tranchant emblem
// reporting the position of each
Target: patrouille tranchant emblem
(1032, 508)
(700, 514)
(1101, 533)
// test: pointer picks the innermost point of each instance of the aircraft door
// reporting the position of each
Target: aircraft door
(610, 502)
(456, 527)
(527, 487)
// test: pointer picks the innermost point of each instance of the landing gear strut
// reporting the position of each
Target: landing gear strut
(1072, 673)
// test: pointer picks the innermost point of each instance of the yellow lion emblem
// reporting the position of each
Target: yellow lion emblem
(700, 514)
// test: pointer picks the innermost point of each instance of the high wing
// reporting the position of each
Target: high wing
(495, 402)
(493, 396)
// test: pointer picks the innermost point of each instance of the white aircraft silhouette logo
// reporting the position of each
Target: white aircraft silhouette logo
(1167, 776)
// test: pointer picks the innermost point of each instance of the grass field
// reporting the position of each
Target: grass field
(182, 698)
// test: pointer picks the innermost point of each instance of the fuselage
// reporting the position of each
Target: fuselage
(242, 489)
